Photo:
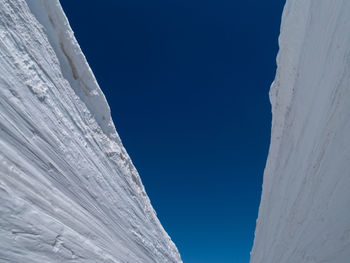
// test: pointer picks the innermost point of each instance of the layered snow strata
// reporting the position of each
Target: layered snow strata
(304, 214)
(68, 189)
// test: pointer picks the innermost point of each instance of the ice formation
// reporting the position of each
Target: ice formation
(304, 214)
(68, 190)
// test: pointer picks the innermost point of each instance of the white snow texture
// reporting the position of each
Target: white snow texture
(68, 190)
(304, 215)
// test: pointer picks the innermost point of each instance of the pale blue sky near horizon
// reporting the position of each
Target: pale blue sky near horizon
(187, 82)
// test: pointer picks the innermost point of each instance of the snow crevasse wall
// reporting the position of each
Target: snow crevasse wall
(304, 214)
(68, 189)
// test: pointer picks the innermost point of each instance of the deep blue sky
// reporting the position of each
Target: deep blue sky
(187, 82)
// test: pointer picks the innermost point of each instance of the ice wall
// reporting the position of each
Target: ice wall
(304, 214)
(68, 190)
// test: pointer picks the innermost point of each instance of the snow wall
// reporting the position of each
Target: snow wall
(68, 190)
(304, 214)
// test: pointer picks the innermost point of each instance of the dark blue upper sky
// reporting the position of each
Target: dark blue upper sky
(187, 82)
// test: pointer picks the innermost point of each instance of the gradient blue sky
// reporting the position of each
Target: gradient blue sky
(187, 82)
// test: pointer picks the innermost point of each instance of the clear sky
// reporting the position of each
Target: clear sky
(187, 82)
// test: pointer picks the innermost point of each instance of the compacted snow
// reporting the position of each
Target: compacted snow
(304, 213)
(68, 190)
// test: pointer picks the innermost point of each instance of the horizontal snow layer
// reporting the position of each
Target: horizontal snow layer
(68, 190)
(304, 214)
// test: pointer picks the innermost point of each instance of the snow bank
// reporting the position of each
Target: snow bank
(68, 189)
(304, 213)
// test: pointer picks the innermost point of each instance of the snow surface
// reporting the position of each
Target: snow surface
(304, 214)
(68, 190)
